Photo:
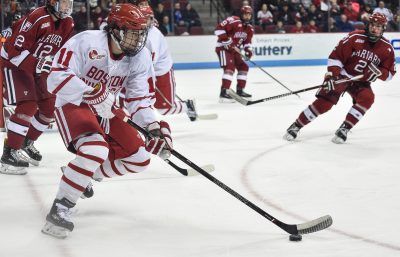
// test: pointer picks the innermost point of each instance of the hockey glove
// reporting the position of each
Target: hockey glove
(248, 53)
(372, 73)
(228, 44)
(160, 140)
(101, 101)
(44, 64)
(330, 80)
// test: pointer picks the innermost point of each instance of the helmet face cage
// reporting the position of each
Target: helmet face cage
(60, 8)
(130, 41)
(376, 20)
(246, 10)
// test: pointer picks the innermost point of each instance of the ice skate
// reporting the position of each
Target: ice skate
(224, 97)
(89, 192)
(240, 92)
(341, 134)
(11, 161)
(191, 110)
(291, 132)
(30, 153)
(58, 221)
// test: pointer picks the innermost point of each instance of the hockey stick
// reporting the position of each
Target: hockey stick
(244, 101)
(211, 116)
(295, 229)
(272, 77)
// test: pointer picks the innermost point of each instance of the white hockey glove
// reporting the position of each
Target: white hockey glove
(160, 142)
(101, 101)
(44, 64)
(372, 73)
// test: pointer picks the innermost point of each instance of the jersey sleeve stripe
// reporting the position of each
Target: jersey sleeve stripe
(59, 87)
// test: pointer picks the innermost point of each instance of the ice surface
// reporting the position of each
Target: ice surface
(161, 213)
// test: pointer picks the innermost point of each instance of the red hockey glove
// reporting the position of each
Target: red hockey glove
(44, 64)
(228, 44)
(248, 53)
(372, 73)
(101, 101)
(160, 142)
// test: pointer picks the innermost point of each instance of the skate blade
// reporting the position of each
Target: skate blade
(337, 140)
(226, 100)
(12, 170)
(55, 231)
(26, 158)
(288, 137)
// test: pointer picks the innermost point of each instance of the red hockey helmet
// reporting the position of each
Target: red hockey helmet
(60, 8)
(244, 14)
(128, 28)
(376, 26)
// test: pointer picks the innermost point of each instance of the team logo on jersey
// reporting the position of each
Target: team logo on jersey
(27, 26)
(45, 25)
(360, 41)
(94, 55)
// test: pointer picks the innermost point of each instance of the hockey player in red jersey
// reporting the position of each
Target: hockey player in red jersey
(27, 57)
(233, 33)
(87, 72)
(365, 53)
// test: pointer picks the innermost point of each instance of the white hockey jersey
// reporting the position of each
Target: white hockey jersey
(158, 46)
(85, 59)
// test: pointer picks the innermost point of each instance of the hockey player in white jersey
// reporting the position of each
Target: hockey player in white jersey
(166, 99)
(86, 74)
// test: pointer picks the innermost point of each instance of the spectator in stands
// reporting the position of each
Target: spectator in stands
(285, 16)
(98, 15)
(178, 16)
(301, 14)
(311, 27)
(385, 11)
(314, 14)
(80, 19)
(351, 10)
(159, 13)
(190, 16)
(371, 3)
(279, 27)
(335, 11)
(26, 5)
(306, 3)
(264, 16)
(165, 26)
(343, 25)
(365, 13)
(298, 28)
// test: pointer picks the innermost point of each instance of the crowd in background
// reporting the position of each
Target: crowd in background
(300, 16)
(178, 17)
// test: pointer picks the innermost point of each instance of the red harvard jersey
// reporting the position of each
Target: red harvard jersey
(233, 28)
(35, 36)
(354, 53)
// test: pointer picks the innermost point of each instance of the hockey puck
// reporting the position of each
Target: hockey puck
(295, 238)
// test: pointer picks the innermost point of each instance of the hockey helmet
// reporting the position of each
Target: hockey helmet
(244, 14)
(60, 8)
(128, 27)
(376, 26)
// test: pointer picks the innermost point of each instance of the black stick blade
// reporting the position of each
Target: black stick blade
(315, 225)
